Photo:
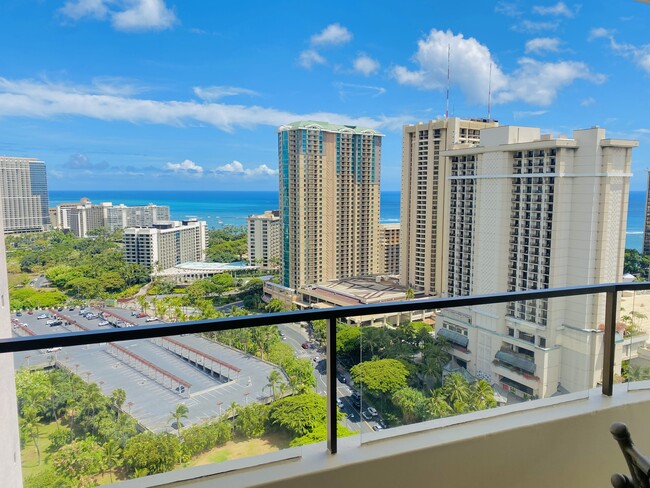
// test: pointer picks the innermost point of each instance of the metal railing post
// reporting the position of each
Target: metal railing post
(332, 407)
(611, 306)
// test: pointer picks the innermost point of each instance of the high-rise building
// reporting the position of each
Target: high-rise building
(388, 249)
(166, 244)
(532, 212)
(424, 176)
(23, 185)
(264, 239)
(329, 201)
(646, 229)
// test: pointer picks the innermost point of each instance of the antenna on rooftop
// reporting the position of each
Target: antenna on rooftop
(448, 79)
(489, 90)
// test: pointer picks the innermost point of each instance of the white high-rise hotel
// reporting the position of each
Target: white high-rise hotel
(523, 211)
(23, 189)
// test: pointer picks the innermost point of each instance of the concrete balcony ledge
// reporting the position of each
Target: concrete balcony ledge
(561, 441)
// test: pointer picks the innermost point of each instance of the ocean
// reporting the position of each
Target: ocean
(220, 208)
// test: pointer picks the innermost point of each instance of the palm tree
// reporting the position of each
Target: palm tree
(30, 424)
(438, 406)
(274, 378)
(112, 456)
(481, 396)
(180, 412)
(142, 301)
(409, 295)
(456, 388)
(232, 412)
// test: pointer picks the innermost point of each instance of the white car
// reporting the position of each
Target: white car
(366, 415)
(372, 411)
(151, 319)
(103, 322)
(42, 316)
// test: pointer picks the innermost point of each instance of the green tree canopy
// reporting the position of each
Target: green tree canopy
(383, 376)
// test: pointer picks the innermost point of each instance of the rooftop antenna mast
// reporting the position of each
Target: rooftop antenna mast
(489, 90)
(448, 79)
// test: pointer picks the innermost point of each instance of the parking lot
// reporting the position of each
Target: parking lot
(144, 369)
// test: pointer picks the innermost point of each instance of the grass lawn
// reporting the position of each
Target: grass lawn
(240, 449)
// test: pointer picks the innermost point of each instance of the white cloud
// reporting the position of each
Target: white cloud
(598, 32)
(560, 9)
(365, 65)
(587, 102)
(642, 131)
(212, 93)
(529, 26)
(540, 45)
(125, 15)
(353, 89)
(310, 57)
(528, 113)
(506, 8)
(144, 15)
(333, 34)
(187, 167)
(640, 54)
(533, 81)
(470, 66)
(538, 83)
(77, 9)
(237, 168)
(41, 99)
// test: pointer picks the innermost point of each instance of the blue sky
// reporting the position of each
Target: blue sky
(164, 94)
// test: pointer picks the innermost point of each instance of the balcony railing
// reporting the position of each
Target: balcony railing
(20, 344)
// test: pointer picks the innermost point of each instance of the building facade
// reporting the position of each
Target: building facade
(166, 244)
(424, 175)
(529, 212)
(263, 232)
(121, 216)
(388, 249)
(329, 201)
(23, 186)
(84, 216)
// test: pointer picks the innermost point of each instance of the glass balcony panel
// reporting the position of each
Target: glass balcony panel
(632, 335)
(193, 399)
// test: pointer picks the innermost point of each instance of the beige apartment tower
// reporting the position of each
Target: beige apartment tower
(424, 175)
(329, 201)
(528, 211)
(388, 249)
(263, 232)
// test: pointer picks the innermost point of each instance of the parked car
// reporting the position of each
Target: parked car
(19, 314)
(383, 423)
(29, 312)
(339, 402)
(305, 345)
(377, 427)
(133, 313)
(53, 349)
(43, 316)
(180, 389)
(372, 411)
(103, 323)
(366, 415)
(141, 315)
(151, 319)
(342, 378)
(53, 323)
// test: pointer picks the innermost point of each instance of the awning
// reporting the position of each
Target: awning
(516, 361)
(455, 337)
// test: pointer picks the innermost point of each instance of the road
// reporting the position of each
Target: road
(295, 336)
